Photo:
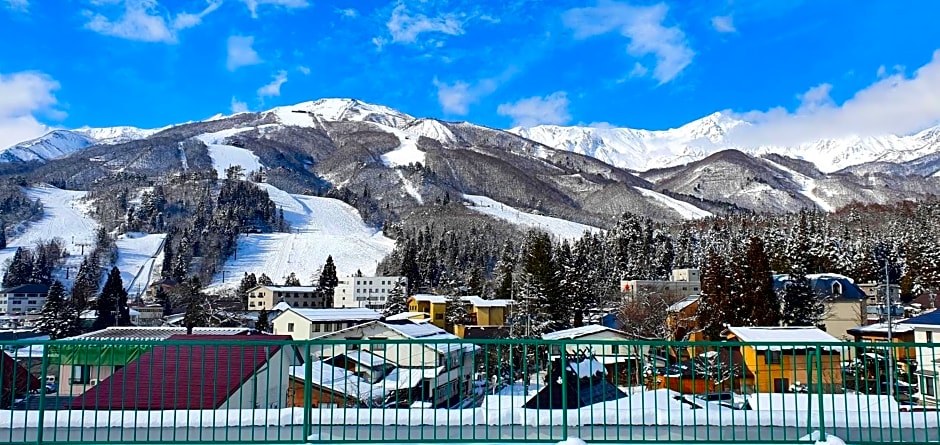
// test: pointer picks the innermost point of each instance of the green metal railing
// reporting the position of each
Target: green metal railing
(251, 389)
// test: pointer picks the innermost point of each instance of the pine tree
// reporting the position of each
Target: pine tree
(263, 324)
(328, 279)
(112, 309)
(3, 237)
(264, 280)
(58, 318)
(198, 313)
(801, 305)
(712, 310)
(504, 272)
(397, 302)
(292, 280)
(762, 305)
(455, 312)
(249, 282)
(163, 298)
(20, 270)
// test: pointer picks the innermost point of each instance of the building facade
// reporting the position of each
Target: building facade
(683, 282)
(23, 299)
(365, 292)
(266, 297)
(303, 324)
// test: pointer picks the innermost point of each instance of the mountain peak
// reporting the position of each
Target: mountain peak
(345, 109)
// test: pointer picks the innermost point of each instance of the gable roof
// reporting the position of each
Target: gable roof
(931, 318)
(414, 330)
(337, 314)
(683, 303)
(783, 334)
(430, 298)
(15, 380)
(197, 376)
(580, 332)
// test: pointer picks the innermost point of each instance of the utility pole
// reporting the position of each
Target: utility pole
(82, 245)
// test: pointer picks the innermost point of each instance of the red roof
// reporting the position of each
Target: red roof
(15, 380)
(197, 376)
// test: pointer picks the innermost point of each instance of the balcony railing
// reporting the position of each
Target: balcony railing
(259, 390)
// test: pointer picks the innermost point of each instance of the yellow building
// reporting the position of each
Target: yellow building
(776, 368)
(433, 305)
(487, 318)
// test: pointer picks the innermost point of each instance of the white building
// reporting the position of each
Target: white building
(684, 282)
(365, 292)
(303, 324)
(927, 337)
(23, 299)
(266, 297)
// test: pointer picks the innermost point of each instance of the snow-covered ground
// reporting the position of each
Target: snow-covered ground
(556, 226)
(807, 185)
(688, 211)
(319, 227)
(137, 256)
(64, 216)
(407, 151)
(410, 188)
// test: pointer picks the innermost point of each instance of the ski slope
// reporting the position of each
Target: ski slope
(137, 256)
(556, 226)
(807, 185)
(319, 227)
(64, 216)
(688, 211)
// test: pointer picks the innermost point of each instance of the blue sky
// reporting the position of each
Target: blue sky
(655, 65)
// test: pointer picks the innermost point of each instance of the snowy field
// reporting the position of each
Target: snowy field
(688, 211)
(556, 226)
(319, 227)
(807, 186)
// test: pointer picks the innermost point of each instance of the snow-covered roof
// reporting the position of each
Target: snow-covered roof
(578, 332)
(882, 328)
(480, 302)
(291, 288)
(430, 298)
(281, 307)
(931, 318)
(682, 304)
(365, 358)
(789, 334)
(152, 333)
(834, 276)
(586, 368)
(338, 314)
(408, 316)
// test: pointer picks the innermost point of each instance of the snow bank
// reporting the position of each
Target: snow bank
(560, 227)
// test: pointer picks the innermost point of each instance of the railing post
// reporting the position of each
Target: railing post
(563, 348)
(819, 392)
(42, 391)
(308, 397)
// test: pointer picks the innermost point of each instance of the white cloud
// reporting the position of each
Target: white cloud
(379, 43)
(273, 89)
(23, 96)
(723, 23)
(348, 12)
(238, 106)
(287, 4)
(303, 70)
(241, 53)
(643, 26)
(639, 70)
(405, 27)
(18, 5)
(147, 21)
(537, 110)
(456, 98)
(896, 104)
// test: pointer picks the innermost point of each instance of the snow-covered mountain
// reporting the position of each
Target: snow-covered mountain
(61, 143)
(640, 150)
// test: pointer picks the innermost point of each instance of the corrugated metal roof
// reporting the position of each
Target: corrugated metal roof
(153, 333)
(930, 318)
(201, 376)
(365, 358)
(338, 314)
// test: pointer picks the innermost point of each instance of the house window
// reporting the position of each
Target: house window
(773, 357)
(836, 288)
(438, 316)
(290, 327)
(615, 349)
(81, 375)
(929, 388)
(316, 327)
